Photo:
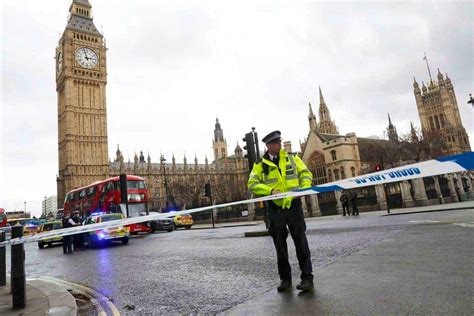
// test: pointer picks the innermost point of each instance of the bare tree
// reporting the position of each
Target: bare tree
(418, 146)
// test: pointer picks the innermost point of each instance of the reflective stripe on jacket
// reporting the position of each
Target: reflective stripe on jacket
(294, 175)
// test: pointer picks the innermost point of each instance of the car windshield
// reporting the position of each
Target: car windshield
(111, 217)
(51, 226)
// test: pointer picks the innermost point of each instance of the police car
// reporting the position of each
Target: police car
(184, 220)
(46, 227)
(102, 236)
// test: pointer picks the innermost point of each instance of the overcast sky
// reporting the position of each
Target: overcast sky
(174, 66)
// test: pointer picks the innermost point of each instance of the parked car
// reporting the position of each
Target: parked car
(46, 227)
(165, 224)
(30, 226)
(97, 237)
(185, 220)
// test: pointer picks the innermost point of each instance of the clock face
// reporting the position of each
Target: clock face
(86, 57)
(59, 61)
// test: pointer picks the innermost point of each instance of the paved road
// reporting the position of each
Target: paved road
(208, 271)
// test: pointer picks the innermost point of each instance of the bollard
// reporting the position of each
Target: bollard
(3, 262)
(18, 279)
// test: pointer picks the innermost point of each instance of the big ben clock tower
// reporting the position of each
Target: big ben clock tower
(81, 78)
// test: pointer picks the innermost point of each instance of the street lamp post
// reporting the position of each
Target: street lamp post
(163, 162)
(25, 207)
(44, 207)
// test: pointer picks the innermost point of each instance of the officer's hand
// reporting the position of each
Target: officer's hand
(275, 191)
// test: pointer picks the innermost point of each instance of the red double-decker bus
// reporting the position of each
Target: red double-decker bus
(104, 197)
(3, 218)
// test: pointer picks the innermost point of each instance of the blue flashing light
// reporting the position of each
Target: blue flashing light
(101, 235)
(97, 213)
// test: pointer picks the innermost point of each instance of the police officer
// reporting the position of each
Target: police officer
(355, 210)
(279, 171)
(67, 240)
(345, 204)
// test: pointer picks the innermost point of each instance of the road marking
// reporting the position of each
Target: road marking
(471, 224)
(424, 221)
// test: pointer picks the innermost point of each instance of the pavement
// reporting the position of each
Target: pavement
(43, 297)
(423, 271)
(426, 270)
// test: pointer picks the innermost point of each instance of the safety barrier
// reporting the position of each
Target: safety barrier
(444, 165)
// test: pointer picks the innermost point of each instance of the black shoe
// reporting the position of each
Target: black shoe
(284, 285)
(305, 285)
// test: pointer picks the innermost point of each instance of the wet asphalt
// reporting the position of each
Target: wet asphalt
(211, 270)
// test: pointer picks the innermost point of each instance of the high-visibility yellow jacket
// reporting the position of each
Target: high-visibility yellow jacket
(294, 175)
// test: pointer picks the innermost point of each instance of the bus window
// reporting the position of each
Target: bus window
(82, 194)
(109, 187)
(91, 191)
(70, 196)
(136, 185)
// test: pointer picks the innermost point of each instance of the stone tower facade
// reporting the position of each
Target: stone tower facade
(326, 126)
(439, 113)
(81, 78)
(313, 123)
(219, 143)
(392, 131)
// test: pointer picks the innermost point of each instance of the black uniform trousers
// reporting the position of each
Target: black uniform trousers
(279, 219)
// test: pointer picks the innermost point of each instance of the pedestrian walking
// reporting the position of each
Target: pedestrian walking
(345, 203)
(279, 171)
(355, 210)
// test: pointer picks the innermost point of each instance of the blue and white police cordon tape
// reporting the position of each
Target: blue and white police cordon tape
(445, 165)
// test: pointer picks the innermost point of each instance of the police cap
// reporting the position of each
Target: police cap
(271, 137)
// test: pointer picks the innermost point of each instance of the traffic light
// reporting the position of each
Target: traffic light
(251, 154)
(207, 190)
(123, 188)
(378, 168)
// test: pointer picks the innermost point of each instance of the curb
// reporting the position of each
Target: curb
(103, 305)
(259, 233)
(429, 211)
(225, 226)
(60, 301)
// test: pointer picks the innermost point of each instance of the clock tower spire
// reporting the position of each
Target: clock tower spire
(81, 79)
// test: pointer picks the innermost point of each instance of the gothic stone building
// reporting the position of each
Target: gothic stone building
(439, 113)
(331, 157)
(178, 185)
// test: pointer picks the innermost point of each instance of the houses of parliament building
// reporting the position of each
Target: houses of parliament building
(81, 79)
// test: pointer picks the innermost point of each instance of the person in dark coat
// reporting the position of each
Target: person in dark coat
(345, 204)
(355, 211)
(67, 240)
(78, 238)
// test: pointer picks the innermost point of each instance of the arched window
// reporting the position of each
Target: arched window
(330, 175)
(336, 174)
(343, 174)
(437, 122)
(353, 171)
(432, 123)
(333, 155)
(317, 165)
(441, 118)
